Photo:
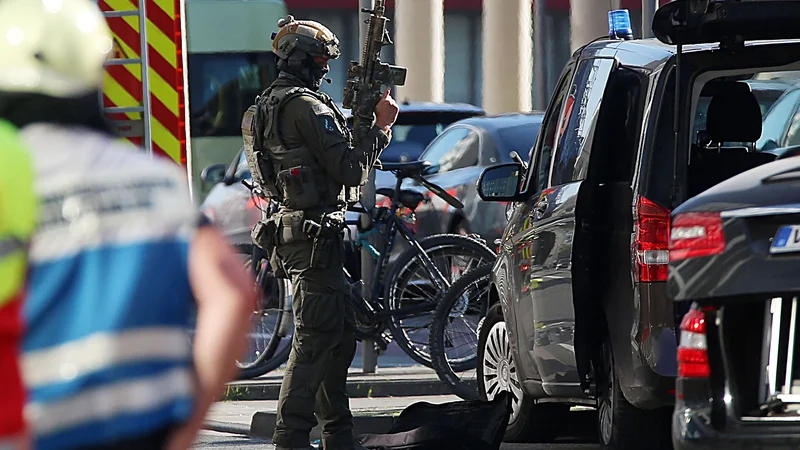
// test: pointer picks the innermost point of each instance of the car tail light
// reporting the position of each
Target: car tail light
(692, 351)
(652, 241)
(696, 234)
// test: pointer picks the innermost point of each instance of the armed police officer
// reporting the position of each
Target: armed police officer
(299, 149)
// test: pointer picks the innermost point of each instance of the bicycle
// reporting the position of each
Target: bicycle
(386, 307)
(460, 313)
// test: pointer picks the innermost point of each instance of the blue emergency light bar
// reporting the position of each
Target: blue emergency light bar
(619, 24)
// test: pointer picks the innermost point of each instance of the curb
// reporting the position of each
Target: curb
(355, 389)
(263, 424)
(225, 427)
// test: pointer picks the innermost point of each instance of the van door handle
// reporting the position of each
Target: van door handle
(540, 208)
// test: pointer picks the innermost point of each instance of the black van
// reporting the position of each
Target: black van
(581, 314)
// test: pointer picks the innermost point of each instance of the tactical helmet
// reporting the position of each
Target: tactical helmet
(53, 48)
(307, 36)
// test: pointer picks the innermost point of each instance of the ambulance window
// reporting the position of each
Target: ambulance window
(221, 88)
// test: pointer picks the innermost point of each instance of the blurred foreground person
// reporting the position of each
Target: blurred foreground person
(119, 257)
(17, 220)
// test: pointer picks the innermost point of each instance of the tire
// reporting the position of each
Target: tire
(472, 283)
(276, 351)
(497, 372)
(408, 264)
(620, 425)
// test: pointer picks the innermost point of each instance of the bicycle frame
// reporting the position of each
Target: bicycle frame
(393, 225)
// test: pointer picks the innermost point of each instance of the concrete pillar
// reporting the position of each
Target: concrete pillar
(588, 20)
(649, 8)
(507, 56)
(539, 61)
(419, 42)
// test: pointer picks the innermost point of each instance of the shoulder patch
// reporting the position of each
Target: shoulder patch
(328, 123)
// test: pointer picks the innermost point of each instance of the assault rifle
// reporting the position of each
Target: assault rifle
(362, 91)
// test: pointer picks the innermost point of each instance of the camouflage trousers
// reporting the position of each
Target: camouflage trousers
(314, 386)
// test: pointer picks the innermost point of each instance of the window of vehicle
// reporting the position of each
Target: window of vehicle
(519, 138)
(409, 141)
(579, 118)
(221, 88)
(456, 148)
(540, 169)
(793, 134)
(775, 122)
(242, 171)
(618, 131)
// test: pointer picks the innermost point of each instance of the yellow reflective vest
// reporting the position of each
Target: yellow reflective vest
(17, 211)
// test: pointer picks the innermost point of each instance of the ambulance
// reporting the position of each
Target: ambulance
(206, 62)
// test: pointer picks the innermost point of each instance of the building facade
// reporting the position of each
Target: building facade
(462, 41)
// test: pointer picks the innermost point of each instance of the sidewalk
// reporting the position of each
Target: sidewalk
(257, 418)
(386, 382)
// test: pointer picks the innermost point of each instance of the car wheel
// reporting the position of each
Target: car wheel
(497, 372)
(622, 426)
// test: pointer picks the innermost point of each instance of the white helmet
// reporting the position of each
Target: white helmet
(52, 47)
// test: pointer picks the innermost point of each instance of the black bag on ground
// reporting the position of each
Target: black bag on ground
(462, 425)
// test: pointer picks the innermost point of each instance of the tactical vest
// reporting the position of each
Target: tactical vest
(292, 175)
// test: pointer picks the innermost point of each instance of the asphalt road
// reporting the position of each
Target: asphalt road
(220, 441)
(580, 435)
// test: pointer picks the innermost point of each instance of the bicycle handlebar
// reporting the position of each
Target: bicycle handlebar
(441, 193)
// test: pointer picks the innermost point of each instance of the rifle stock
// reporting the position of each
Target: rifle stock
(365, 78)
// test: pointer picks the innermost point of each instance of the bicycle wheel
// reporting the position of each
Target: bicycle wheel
(411, 285)
(270, 326)
(457, 318)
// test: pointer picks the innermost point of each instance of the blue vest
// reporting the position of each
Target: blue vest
(106, 354)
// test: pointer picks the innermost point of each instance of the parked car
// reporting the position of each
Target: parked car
(734, 253)
(229, 203)
(459, 155)
(580, 313)
(781, 126)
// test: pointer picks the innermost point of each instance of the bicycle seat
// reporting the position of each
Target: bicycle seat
(406, 169)
(408, 198)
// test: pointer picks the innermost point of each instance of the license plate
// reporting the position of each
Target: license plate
(787, 239)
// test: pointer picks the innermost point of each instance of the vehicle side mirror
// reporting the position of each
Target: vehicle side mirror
(432, 169)
(500, 183)
(213, 175)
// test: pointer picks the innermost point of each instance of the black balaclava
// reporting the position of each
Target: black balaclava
(302, 65)
(23, 109)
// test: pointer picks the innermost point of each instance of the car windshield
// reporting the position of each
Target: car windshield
(414, 130)
(409, 141)
(519, 138)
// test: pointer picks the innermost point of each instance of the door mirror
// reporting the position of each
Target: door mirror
(500, 183)
(213, 175)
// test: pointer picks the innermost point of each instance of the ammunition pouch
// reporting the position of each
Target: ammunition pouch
(299, 188)
(264, 235)
(257, 157)
(290, 230)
